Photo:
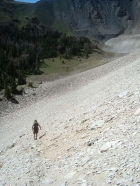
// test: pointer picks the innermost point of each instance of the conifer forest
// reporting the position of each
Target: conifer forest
(22, 50)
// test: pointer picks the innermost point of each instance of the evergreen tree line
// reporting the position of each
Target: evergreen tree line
(22, 51)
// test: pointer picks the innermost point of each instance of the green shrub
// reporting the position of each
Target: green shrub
(30, 84)
(7, 92)
(21, 79)
(13, 86)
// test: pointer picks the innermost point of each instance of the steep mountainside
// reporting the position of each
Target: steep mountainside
(92, 18)
(99, 18)
(90, 132)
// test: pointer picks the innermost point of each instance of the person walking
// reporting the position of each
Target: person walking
(35, 129)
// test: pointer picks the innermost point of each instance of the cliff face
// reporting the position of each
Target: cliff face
(98, 18)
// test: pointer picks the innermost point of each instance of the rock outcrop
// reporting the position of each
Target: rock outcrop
(97, 18)
(100, 19)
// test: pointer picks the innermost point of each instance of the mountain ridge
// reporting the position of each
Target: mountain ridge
(100, 19)
(90, 18)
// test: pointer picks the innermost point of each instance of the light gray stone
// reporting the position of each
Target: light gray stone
(97, 124)
(121, 182)
(70, 175)
(114, 169)
(105, 147)
(63, 184)
(108, 145)
(109, 181)
(138, 119)
(137, 112)
(12, 145)
(46, 181)
(123, 94)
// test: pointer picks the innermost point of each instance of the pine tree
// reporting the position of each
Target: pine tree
(7, 90)
(21, 79)
(13, 86)
(10, 69)
(1, 83)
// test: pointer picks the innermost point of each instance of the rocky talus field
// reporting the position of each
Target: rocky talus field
(90, 132)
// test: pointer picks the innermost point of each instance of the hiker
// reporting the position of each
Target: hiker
(35, 129)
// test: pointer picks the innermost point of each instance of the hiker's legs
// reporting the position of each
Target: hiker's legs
(35, 136)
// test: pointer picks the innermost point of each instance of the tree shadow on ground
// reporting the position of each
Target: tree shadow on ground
(13, 100)
(19, 92)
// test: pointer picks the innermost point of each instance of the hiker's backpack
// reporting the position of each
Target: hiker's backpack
(35, 125)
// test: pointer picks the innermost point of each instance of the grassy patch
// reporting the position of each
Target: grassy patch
(56, 66)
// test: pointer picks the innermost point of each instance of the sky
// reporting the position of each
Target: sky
(29, 1)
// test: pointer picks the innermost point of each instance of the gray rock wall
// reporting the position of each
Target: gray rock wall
(98, 18)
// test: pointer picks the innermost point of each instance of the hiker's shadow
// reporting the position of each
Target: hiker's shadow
(13, 100)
